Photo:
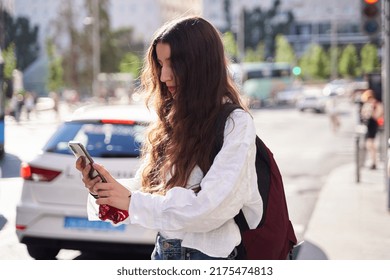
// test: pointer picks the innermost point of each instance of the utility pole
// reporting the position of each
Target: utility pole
(95, 47)
(334, 44)
(241, 36)
(386, 86)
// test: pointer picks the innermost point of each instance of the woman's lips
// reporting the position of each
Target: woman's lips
(172, 89)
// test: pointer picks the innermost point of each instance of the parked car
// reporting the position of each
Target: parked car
(51, 214)
(312, 99)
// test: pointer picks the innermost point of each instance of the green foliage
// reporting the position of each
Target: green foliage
(19, 33)
(349, 62)
(255, 55)
(131, 63)
(369, 58)
(109, 57)
(26, 43)
(77, 58)
(263, 26)
(284, 51)
(9, 61)
(230, 45)
(55, 78)
(315, 63)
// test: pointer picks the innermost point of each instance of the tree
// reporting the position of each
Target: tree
(24, 38)
(131, 63)
(263, 26)
(230, 45)
(315, 63)
(9, 67)
(9, 61)
(109, 59)
(74, 54)
(26, 45)
(255, 55)
(55, 79)
(125, 44)
(228, 17)
(349, 62)
(369, 58)
(284, 51)
(77, 53)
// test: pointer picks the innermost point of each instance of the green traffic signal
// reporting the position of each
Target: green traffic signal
(297, 70)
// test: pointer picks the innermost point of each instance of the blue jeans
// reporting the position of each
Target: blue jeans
(171, 249)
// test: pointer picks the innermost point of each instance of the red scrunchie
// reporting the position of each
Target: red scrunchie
(107, 212)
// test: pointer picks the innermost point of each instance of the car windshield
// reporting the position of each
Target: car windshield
(101, 140)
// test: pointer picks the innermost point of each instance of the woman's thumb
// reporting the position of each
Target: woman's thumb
(103, 172)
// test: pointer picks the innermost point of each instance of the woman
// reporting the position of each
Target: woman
(371, 111)
(179, 190)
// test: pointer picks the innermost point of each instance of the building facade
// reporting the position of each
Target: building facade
(331, 22)
(316, 21)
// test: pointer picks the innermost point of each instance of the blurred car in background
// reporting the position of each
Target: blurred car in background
(313, 99)
(338, 87)
(51, 214)
(44, 103)
(260, 81)
(3, 221)
(289, 95)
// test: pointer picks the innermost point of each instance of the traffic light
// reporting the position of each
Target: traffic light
(297, 70)
(371, 16)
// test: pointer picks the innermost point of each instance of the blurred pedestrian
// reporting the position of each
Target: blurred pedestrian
(371, 111)
(179, 191)
(29, 103)
(18, 103)
(56, 103)
(332, 109)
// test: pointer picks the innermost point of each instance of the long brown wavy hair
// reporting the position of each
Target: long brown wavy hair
(183, 135)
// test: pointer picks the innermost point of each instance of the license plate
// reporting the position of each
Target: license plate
(84, 223)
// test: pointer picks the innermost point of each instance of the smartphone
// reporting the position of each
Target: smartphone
(79, 150)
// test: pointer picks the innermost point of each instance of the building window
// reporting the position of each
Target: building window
(324, 28)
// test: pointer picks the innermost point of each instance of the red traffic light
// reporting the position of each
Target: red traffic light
(370, 11)
(371, 1)
(370, 16)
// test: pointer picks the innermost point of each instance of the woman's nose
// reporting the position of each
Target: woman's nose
(165, 75)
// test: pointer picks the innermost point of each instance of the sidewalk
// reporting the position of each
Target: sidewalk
(351, 221)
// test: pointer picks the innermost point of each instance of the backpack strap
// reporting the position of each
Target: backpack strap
(227, 109)
(241, 221)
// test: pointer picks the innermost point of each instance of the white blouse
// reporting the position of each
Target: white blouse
(205, 221)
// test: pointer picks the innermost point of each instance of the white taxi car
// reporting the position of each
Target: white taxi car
(51, 214)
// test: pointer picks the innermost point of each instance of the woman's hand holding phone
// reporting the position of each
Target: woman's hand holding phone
(85, 170)
(110, 192)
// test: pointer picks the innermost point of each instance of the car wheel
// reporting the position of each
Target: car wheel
(42, 253)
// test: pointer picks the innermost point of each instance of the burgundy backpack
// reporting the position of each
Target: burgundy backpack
(274, 237)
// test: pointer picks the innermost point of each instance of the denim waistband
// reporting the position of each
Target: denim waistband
(171, 249)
